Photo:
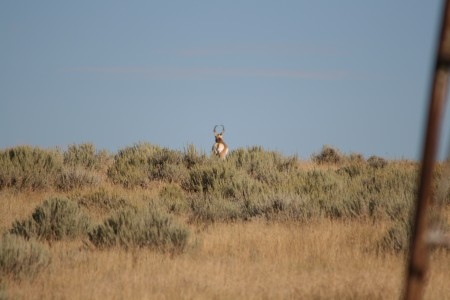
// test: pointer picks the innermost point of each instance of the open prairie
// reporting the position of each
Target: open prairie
(154, 223)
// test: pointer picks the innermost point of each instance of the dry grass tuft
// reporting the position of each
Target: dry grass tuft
(258, 260)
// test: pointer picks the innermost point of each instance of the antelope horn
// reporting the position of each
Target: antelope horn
(223, 129)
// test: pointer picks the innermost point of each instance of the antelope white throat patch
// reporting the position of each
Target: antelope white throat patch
(218, 148)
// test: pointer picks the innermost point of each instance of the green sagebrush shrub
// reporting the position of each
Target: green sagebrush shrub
(131, 227)
(399, 234)
(208, 208)
(141, 163)
(328, 155)
(26, 167)
(77, 177)
(192, 157)
(173, 199)
(102, 200)
(328, 194)
(253, 182)
(83, 165)
(397, 237)
(55, 219)
(377, 162)
(86, 156)
(20, 258)
(269, 167)
(222, 180)
(209, 177)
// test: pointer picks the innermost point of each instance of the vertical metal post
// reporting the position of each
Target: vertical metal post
(418, 260)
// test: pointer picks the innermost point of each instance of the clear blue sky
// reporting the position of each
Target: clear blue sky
(290, 76)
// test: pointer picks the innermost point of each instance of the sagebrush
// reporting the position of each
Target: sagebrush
(131, 228)
(20, 258)
(251, 183)
(55, 219)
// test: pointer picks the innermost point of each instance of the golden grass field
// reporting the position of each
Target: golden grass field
(320, 259)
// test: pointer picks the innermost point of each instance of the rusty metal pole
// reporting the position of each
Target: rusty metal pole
(418, 260)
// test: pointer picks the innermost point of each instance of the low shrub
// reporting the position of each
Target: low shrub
(26, 167)
(129, 166)
(377, 162)
(208, 208)
(397, 237)
(166, 165)
(77, 177)
(20, 258)
(173, 199)
(441, 184)
(141, 163)
(208, 177)
(102, 200)
(130, 228)
(285, 207)
(251, 182)
(320, 184)
(221, 180)
(83, 155)
(269, 167)
(192, 157)
(328, 155)
(354, 166)
(55, 219)
(241, 188)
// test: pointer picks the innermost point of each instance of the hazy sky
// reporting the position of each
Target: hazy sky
(290, 76)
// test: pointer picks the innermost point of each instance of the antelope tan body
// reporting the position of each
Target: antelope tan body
(219, 148)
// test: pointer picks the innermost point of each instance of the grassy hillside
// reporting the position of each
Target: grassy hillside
(146, 203)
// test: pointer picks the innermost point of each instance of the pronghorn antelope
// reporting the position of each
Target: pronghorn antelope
(219, 148)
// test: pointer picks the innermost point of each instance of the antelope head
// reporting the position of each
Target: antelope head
(219, 135)
(219, 148)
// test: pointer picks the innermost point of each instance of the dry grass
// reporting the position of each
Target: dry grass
(18, 205)
(255, 260)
